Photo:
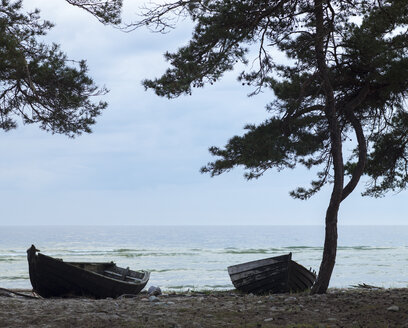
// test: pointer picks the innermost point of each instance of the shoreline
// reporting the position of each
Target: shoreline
(353, 307)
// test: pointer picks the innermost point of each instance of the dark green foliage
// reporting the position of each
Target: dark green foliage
(367, 66)
(106, 11)
(281, 146)
(37, 82)
(388, 161)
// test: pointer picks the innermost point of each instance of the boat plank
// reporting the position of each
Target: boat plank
(271, 272)
(267, 285)
(261, 270)
(233, 269)
(295, 284)
(271, 275)
(307, 276)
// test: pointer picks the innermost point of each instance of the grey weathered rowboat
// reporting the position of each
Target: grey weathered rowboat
(278, 274)
(51, 277)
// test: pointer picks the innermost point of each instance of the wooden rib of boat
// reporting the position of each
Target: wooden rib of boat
(51, 277)
(278, 274)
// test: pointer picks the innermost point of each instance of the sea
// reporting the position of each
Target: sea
(182, 258)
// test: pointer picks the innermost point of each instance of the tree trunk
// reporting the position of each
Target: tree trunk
(362, 147)
(330, 243)
(330, 248)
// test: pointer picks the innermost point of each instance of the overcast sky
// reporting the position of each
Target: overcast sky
(141, 163)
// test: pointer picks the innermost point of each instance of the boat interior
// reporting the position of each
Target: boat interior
(109, 269)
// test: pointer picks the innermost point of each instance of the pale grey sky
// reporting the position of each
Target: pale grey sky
(141, 164)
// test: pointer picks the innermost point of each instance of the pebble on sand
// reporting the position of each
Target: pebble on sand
(393, 308)
(155, 291)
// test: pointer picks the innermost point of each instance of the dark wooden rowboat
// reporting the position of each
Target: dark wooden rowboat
(272, 275)
(52, 277)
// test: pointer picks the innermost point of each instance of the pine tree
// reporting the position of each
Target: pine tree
(38, 84)
(347, 79)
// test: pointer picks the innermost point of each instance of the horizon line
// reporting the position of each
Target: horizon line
(197, 225)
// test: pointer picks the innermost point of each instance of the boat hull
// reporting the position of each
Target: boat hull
(52, 277)
(272, 275)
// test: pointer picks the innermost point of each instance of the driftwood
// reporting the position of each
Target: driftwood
(365, 286)
(10, 291)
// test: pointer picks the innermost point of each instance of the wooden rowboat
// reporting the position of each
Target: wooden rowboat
(51, 277)
(272, 275)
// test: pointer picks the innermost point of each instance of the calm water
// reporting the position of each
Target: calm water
(196, 257)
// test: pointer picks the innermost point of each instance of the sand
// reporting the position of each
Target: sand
(338, 308)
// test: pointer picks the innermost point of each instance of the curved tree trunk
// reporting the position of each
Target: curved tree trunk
(362, 146)
(330, 243)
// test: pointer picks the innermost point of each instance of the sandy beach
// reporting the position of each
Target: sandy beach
(338, 308)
